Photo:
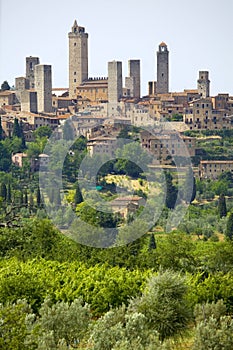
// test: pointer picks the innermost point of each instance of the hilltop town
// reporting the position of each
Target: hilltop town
(109, 101)
(96, 165)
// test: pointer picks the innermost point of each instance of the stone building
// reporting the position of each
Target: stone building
(78, 58)
(7, 98)
(102, 145)
(94, 89)
(162, 86)
(167, 144)
(211, 169)
(43, 87)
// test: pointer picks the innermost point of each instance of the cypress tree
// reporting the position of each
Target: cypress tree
(26, 197)
(1, 129)
(229, 228)
(22, 135)
(21, 199)
(222, 208)
(38, 197)
(190, 185)
(31, 200)
(16, 129)
(8, 193)
(171, 192)
(152, 242)
(3, 191)
(78, 198)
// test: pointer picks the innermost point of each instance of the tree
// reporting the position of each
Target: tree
(222, 208)
(38, 197)
(5, 86)
(64, 321)
(152, 243)
(229, 228)
(78, 198)
(171, 191)
(8, 193)
(214, 334)
(3, 191)
(16, 129)
(43, 131)
(164, 303)
(1, 129)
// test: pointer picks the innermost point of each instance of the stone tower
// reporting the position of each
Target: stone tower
(162, 69)
(30, 70)
(134, 82)
(43, 87)
(114, 81)
(78, 58)
(203, 84)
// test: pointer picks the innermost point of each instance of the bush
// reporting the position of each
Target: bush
(164, 304)
(214, 334)
(203, 312)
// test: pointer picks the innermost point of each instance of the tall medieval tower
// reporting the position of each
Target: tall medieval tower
(43, 87)
(162, 69)
(31, 62)
(78, 58)
(203, 84)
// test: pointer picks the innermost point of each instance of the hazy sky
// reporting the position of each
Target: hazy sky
(199, 35)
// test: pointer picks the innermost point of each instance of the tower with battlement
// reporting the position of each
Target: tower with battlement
(78, 58)
(43, 87)
(162, 69)
(203, 84)
(31, 62)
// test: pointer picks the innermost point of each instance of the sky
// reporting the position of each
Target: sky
(198, 34)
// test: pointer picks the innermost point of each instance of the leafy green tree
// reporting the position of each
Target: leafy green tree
(118, 330)
(65, 322)
(164, 304)
(43, 131)
(5, 86)
(222, 208)
(132, 159)
(229, 228)
(190, 186)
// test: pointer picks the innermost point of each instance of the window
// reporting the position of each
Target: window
(75, 44)
(74, 80)
(74, 73)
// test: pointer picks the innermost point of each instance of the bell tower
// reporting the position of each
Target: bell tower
(162, 69)
(78, 58)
